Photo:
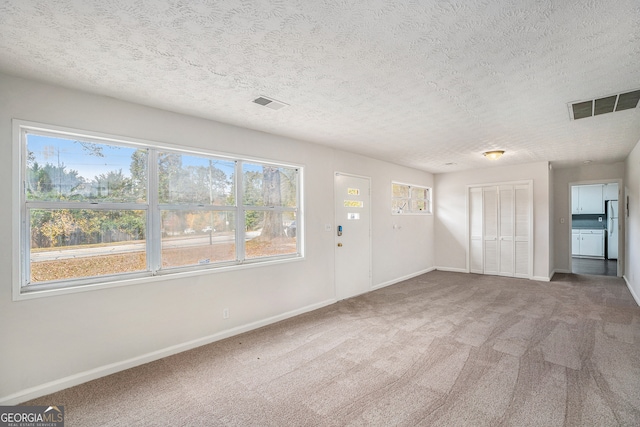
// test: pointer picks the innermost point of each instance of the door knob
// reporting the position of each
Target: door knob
(339, 245)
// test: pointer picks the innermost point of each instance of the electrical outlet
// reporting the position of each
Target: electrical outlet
(225, 313)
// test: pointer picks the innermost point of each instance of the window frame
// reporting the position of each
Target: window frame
(22, 289)
(409, 210)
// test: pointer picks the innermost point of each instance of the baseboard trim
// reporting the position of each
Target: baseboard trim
(633, 294)
(561, 270)
(402, 279)
(545, 279)
(102, 371)
(464, 270)
(452, 270)
(541, 278)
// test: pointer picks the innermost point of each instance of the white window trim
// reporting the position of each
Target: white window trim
(429, 201)
(19, 204)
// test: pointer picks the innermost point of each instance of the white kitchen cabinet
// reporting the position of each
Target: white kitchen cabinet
(610, 191)
(575, 199)
(575, 242)
(587, 243)
(587, 199)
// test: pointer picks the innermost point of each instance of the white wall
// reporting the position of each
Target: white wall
(632, 234)
(451, 213)
(55, 342)
(562, 204)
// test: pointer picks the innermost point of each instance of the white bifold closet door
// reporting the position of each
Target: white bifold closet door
(476, 242)
(522, 231)
(500, 230)
(490, 234)
(506, 227)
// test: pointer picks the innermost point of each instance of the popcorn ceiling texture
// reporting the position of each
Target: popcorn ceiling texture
(419, 83)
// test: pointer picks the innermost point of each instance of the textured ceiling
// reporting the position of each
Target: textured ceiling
(421, 83)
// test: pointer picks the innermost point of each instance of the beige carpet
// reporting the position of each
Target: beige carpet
(442, 349)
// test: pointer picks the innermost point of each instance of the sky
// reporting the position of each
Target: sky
(74, 156)
(80, 157)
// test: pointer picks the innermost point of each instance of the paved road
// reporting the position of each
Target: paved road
(177, 242)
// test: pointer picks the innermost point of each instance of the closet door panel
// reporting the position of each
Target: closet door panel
(522, 259)
(522, 228)
(475, 231)
(490, 229)
(506, 229)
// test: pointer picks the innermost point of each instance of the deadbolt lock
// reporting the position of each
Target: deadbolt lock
(339, 245)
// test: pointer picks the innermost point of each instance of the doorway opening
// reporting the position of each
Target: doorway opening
(595, 228)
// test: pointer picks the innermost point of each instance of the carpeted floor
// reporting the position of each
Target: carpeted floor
(442, 349)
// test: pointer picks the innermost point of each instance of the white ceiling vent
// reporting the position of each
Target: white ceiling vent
(270, 103)
(607, 104)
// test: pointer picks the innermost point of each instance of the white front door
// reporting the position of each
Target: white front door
(352, 235)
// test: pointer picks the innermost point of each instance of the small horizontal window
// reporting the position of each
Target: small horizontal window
(410, 199)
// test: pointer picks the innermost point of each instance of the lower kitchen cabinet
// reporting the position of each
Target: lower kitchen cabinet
(587, 243)
(575, 242)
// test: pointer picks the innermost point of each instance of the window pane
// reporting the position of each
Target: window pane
(270, 185)
(75, 170)
(399, 190)
(419, 205)
(74, 243)
(399, 205)
(197, 237)
(419, 193)
(196, 180)
(270, 233)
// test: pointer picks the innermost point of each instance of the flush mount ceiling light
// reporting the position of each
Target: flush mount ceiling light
(493, 155)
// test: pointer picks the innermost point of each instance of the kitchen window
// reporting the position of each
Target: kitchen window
(97, 209)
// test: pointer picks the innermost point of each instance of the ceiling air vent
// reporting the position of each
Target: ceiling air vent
(607, 104)
(269, 103)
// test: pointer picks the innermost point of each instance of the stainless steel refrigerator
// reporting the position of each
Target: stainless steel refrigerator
(612, 229)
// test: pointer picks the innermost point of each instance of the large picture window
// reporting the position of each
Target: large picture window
(95, 209)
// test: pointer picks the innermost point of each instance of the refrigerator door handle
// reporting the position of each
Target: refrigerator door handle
(611, 226)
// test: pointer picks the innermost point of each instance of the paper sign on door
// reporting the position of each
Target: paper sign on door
(353, 204)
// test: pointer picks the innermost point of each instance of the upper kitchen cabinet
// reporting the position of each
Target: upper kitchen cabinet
(611, 191)
(587, 199)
